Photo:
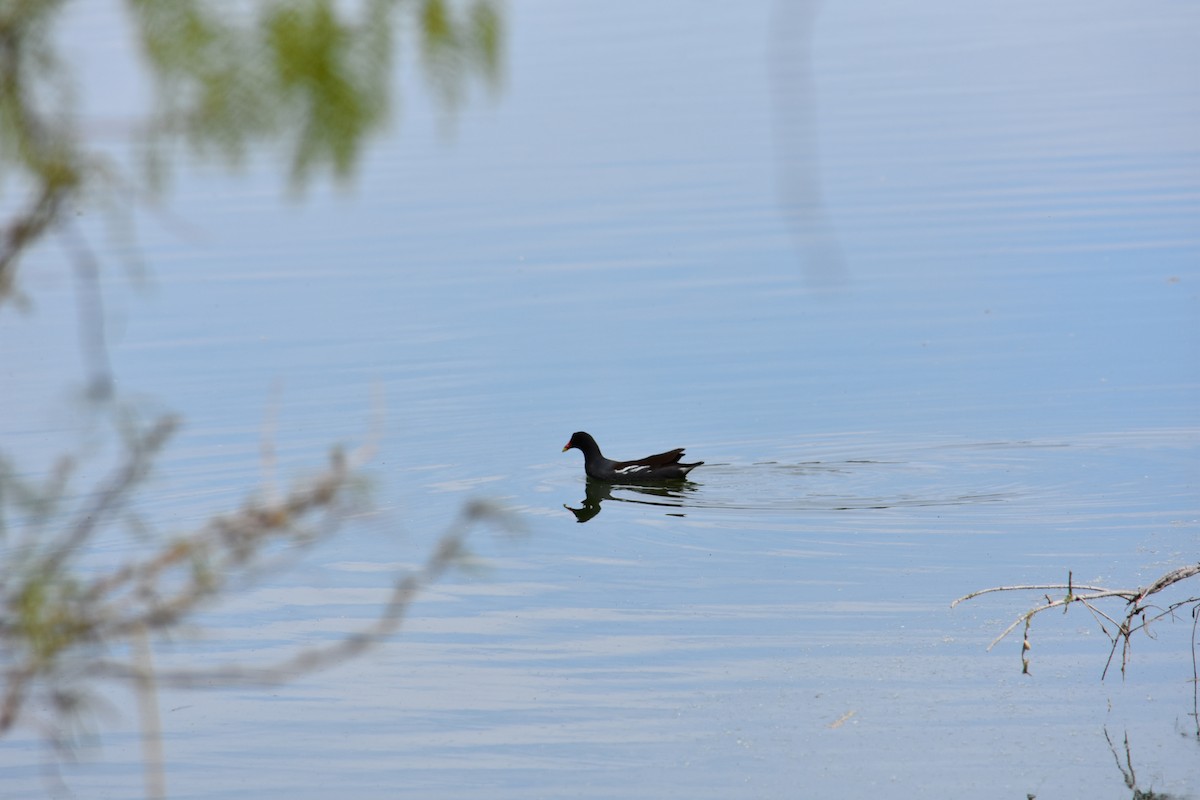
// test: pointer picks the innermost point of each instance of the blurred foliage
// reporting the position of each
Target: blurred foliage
(304, 73)
(233, 81)
(312, 79)
(37, 142)
(68, 620)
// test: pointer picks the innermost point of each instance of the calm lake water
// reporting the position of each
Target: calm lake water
(920, 283)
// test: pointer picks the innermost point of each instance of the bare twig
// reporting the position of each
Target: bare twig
(57, 613)
(55, 616)
(446, 555)
(109, 498)
(1126, 768)
(1138, 615)
(93, 339)
(153, 762)
(1034, 587)
(1195, 674)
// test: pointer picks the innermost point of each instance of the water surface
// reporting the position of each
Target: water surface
(918, 284)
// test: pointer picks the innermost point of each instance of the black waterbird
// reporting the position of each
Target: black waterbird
(657, 468)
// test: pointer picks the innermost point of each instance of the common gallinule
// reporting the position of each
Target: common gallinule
(651, 469)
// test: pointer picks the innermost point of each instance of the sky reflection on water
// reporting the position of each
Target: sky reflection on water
(996, 380)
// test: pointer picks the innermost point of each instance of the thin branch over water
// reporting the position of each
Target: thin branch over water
(1138, 614)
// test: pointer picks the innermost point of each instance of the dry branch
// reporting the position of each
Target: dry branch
(60, 622)
(1137, 614)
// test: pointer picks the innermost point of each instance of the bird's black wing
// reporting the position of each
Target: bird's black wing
(656, 460)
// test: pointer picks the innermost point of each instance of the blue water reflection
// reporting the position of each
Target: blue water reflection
(918, 285)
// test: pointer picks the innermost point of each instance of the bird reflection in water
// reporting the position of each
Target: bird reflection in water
(671, 496)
